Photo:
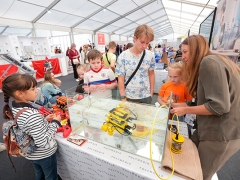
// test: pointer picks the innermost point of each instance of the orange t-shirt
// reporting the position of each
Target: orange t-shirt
(179, 90)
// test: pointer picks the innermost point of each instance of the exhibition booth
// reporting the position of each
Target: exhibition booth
(113, 140)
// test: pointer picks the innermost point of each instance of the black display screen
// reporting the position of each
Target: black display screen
(206, 27)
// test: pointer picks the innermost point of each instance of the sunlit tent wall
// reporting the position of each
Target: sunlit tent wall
(67, 21)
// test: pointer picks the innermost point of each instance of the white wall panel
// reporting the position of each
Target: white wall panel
(104, 16)
(122, 7)
(136, 15)
(152, 7)
(16, 23)
(115, 38)
(102, 2)
(23, 11)
(122, 22)
(42, 33)
(87, 9)
(90, 25)
(69, 6)
(70, 20)
(5, 4)
(44, 3)
(109, 29)
(53, 18)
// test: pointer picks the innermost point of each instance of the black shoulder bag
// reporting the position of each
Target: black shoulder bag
(107, 59)
(139, 64)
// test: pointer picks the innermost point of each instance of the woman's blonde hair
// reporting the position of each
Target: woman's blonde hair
(48, 78)
(144, 30)
(198, 49)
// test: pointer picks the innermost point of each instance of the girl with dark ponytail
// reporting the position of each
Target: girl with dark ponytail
(22, 88)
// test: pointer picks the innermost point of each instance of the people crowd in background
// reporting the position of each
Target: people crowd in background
(193, 71)
(75, 59)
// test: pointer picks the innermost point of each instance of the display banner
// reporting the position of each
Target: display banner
(101, 39)
(3, 68)
(226, 31)
(38, 65)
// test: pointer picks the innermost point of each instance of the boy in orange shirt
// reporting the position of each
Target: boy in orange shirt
(175, 85)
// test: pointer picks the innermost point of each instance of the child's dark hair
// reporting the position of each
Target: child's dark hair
(93, 54)
(11, 84)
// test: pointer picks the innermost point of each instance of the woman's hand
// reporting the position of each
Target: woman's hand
(180, 111)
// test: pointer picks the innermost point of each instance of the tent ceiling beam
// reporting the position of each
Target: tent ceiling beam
(193, 3)
(94, 13)
(124, 15)
(29, 33)
(140, 19)
(144, 23)
(4, 30)
(169, 16)
(199, 14)
(45, 11)
(176, 10)
(167, 29)
(164, 29)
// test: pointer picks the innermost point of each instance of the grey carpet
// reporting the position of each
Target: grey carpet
(230, 171)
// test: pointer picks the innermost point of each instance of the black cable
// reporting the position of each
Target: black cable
(118, 130)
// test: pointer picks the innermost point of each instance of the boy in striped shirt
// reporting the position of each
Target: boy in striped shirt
(99, 80)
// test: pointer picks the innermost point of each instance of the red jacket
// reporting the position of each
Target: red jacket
(73, 53)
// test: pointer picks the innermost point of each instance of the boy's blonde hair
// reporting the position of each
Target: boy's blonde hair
(112, 45)
(144, 30)
(57, 81)
(176, 66)
(82, 66)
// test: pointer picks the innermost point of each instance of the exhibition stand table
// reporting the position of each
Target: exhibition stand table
(118, 135)
(97, 161)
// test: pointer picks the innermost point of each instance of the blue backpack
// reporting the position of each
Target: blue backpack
(17, 142)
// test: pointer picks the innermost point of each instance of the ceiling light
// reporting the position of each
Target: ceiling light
(49, 11)
(104, 9)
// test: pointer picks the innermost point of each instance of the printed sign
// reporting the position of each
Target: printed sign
(101, 39)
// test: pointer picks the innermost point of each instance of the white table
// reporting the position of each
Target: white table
(97, 161)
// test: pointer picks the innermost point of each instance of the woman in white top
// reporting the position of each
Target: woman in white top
(84, 53)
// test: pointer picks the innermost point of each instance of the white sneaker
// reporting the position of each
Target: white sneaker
(77, 80)
(2, 147)
(215, 177)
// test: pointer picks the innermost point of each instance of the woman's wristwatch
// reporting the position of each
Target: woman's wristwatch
(123, 97)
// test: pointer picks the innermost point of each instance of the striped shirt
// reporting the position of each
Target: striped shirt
(103, 76)
(36, 126)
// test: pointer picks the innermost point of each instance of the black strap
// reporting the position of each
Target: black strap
(107, 59)
(139, 64)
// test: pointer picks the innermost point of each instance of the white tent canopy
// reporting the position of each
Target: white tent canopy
(120, 17)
